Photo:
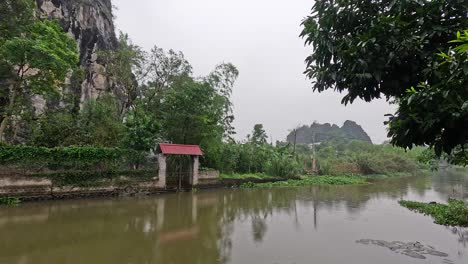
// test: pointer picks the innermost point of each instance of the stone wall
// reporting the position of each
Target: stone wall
(36, 188)
(212, 174)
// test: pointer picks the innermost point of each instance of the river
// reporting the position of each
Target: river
(319, 224)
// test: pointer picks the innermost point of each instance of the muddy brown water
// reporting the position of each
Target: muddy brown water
(326, 224)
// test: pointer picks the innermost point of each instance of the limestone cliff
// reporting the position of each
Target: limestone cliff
(317, 133)
(90, 23)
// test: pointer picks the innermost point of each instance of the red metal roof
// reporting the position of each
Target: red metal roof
(177, 149)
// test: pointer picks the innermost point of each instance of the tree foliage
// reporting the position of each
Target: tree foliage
(370, 49)
(437, 114)
(42, 56)
(259, 135)
(35, 57)
(379, 47)
(16, 14)
(162, 67)
(192, 112)
(123, 66)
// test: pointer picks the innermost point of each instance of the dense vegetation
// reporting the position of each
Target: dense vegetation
(455, 213)
(400, 50)
(152, 97)
(35, 58)
(79, 166)
(344, 157)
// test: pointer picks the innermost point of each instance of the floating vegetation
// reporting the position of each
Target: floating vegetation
(9, 201)
(309, 181)
(411, 249)
(455, 213)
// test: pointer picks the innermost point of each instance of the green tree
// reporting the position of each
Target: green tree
(259, 136)
(192, 113)
(142, 129)
(223, 79)
(100, 123)
(370, 49)
(437, 114)
(54, 128)
(16, 15)
(41, 58)
(124, 66)
(160, 70)
(163, 67)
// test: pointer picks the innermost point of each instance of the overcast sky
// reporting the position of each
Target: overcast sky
(261, 38)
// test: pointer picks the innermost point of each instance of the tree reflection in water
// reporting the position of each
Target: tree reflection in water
(186, 227)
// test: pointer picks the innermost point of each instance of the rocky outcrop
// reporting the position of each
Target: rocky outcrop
(355, 131)
(317, 133)
(90, 23)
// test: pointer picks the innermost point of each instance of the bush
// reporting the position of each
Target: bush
(97, 124)
(281, 164)
(359, 157)
(251, 158)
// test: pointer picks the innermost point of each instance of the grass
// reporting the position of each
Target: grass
(310, 181)
(246, 176)
(9, 201)
(455, 213)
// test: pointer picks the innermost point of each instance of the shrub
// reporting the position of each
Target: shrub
(338, 158)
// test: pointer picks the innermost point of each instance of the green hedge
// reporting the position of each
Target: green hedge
(82, 157)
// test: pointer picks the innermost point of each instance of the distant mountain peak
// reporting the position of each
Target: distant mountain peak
(317, 132)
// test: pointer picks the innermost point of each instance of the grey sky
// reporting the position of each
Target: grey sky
(261, 38)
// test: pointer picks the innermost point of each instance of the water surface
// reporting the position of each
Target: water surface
(281, 225)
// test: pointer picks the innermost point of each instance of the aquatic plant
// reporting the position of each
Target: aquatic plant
(246, 176)
(309, 181)
(455, 213)
(9, 201)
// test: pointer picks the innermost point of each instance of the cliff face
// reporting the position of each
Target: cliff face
(326, 132)
(355, 131)
(90, 23)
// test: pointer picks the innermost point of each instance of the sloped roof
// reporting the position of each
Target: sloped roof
(177, 149)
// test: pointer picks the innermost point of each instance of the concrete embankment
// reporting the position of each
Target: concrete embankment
(29, 188)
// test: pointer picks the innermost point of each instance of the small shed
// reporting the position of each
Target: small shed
(164, 150)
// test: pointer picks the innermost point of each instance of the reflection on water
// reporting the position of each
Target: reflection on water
(281, 225)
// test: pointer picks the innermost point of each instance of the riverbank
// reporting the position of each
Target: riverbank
(37, 189)
(23, 188)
